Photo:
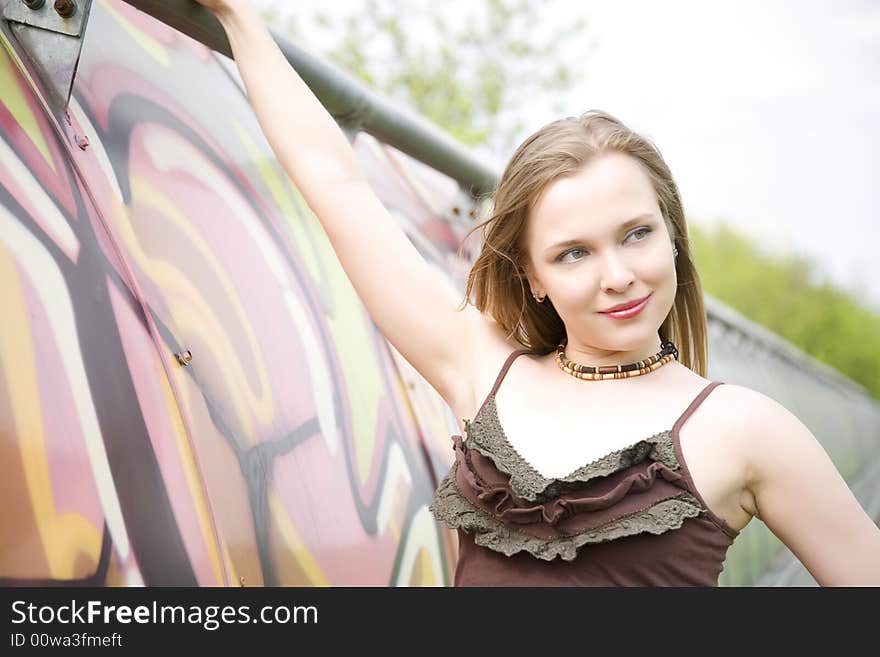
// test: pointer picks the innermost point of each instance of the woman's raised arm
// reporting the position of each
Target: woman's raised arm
(411, 304)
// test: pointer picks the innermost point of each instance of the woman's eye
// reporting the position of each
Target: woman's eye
(644, 230)
(569, 252)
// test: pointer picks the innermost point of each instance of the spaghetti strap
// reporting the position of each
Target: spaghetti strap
(500, 377)
(693, 406)
(685, 471)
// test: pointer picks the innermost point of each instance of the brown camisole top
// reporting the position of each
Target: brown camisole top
(630, 518)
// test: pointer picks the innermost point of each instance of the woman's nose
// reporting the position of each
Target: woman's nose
(616, 274)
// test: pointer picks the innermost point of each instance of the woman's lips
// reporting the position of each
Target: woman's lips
(629, 312)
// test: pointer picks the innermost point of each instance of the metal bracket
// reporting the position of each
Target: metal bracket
(52, 42)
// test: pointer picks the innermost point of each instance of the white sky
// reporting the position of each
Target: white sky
(767, 112)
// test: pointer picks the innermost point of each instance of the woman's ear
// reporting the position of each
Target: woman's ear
(529, 274)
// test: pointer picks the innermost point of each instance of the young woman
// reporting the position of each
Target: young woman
(606, 458)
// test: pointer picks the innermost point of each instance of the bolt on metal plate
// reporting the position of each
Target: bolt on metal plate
(62, 16)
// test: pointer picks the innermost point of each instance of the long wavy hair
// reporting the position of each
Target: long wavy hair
(497, 280)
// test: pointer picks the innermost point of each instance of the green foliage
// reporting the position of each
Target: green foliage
(791, 296)
(472, 67)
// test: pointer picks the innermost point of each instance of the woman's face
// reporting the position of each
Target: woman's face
(597, 239)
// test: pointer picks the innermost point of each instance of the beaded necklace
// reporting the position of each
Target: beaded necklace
(667, 353)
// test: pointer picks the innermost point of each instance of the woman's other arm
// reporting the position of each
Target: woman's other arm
(804, 500)
(412, 305)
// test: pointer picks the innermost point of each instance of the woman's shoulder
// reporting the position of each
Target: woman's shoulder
(728, 403)
(747, 418)
(747, 405)
(759, 417)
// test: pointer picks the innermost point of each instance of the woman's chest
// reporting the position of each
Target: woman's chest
(556, 444)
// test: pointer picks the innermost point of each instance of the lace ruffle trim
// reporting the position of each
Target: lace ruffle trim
(486, 435)
(457, 512)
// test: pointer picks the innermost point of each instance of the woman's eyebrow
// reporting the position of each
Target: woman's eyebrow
(626, 224)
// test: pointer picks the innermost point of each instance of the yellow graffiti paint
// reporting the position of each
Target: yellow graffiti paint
(13, 98)
(65, 537)
(423, 570)
(299, 551)
(234, 578)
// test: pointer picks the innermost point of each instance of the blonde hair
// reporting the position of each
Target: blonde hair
(560, 149)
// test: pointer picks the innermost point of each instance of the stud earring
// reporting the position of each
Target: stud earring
(674, 252)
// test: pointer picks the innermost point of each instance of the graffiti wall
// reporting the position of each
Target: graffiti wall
(190, 390)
